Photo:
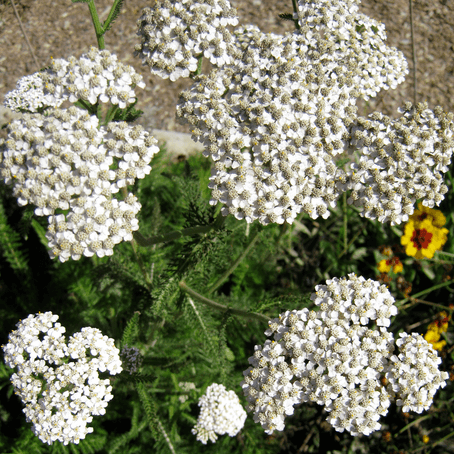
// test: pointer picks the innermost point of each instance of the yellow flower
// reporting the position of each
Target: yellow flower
(383, 266)
(425, 439)
(436, 216)
(435, 329)
(394, 263)
(422, 238)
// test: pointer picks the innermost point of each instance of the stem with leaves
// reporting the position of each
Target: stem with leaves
(171, 236)
(221, 307)
(232, 268)
(100, 30)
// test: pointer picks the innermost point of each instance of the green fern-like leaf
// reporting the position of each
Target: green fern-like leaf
(115, 15)
(286, 16)
(131, 330)
(10, 243)
(149, 407)
(129, 114)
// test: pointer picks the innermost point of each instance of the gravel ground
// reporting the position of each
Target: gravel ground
(59, 28)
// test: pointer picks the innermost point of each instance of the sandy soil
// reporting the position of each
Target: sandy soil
(59, 28)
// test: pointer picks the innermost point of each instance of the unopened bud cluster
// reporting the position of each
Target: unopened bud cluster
(63, 159)
(59, 382)
(332, 358)
(132, 359)
(220, 413)
(175, 34)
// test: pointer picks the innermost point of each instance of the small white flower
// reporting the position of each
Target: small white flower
(220, 413)
(87, 395)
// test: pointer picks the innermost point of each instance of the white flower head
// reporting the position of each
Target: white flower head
(29, 95)
(400, 162)
(415, 377)
(332, 358)
(63, 160)
(39, 353)
(96, 76)
(174, 34)
(220, 413)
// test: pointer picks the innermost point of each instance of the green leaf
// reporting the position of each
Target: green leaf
(150, 409)
(10, 243)
(131, 330)
(39, 229)
(113, 15)
(286, 16)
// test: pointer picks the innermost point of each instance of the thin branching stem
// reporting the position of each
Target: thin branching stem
(177, 234)
(413, 51)
(25, 35)
(234, 265)
(137, 256)
(221, 307)
(424, 292)
(166, 437)
(433, 444)
(358, 233)
(199, 318)
(418, 301)
(416, 421)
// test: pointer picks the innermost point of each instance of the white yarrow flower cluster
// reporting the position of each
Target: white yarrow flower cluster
(175, 34)
(275, 120)
(400, 161)
(332, 358)
(29, 95)
(96, 76)
(64, 160)
(415, 376)
(57, 381)
(220, 413)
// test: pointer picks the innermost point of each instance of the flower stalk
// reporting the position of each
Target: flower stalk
(221, 307)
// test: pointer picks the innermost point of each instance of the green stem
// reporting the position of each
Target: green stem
(232, 268)
(424, 292)
(416, 421)
(444, 253)
(137, 254)
(190, 231)
(295, 10)
(221, 307)
(345, 221)
(433, 444)
(358, 233)
(98, 27)
(417, 301)
(199, 318)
